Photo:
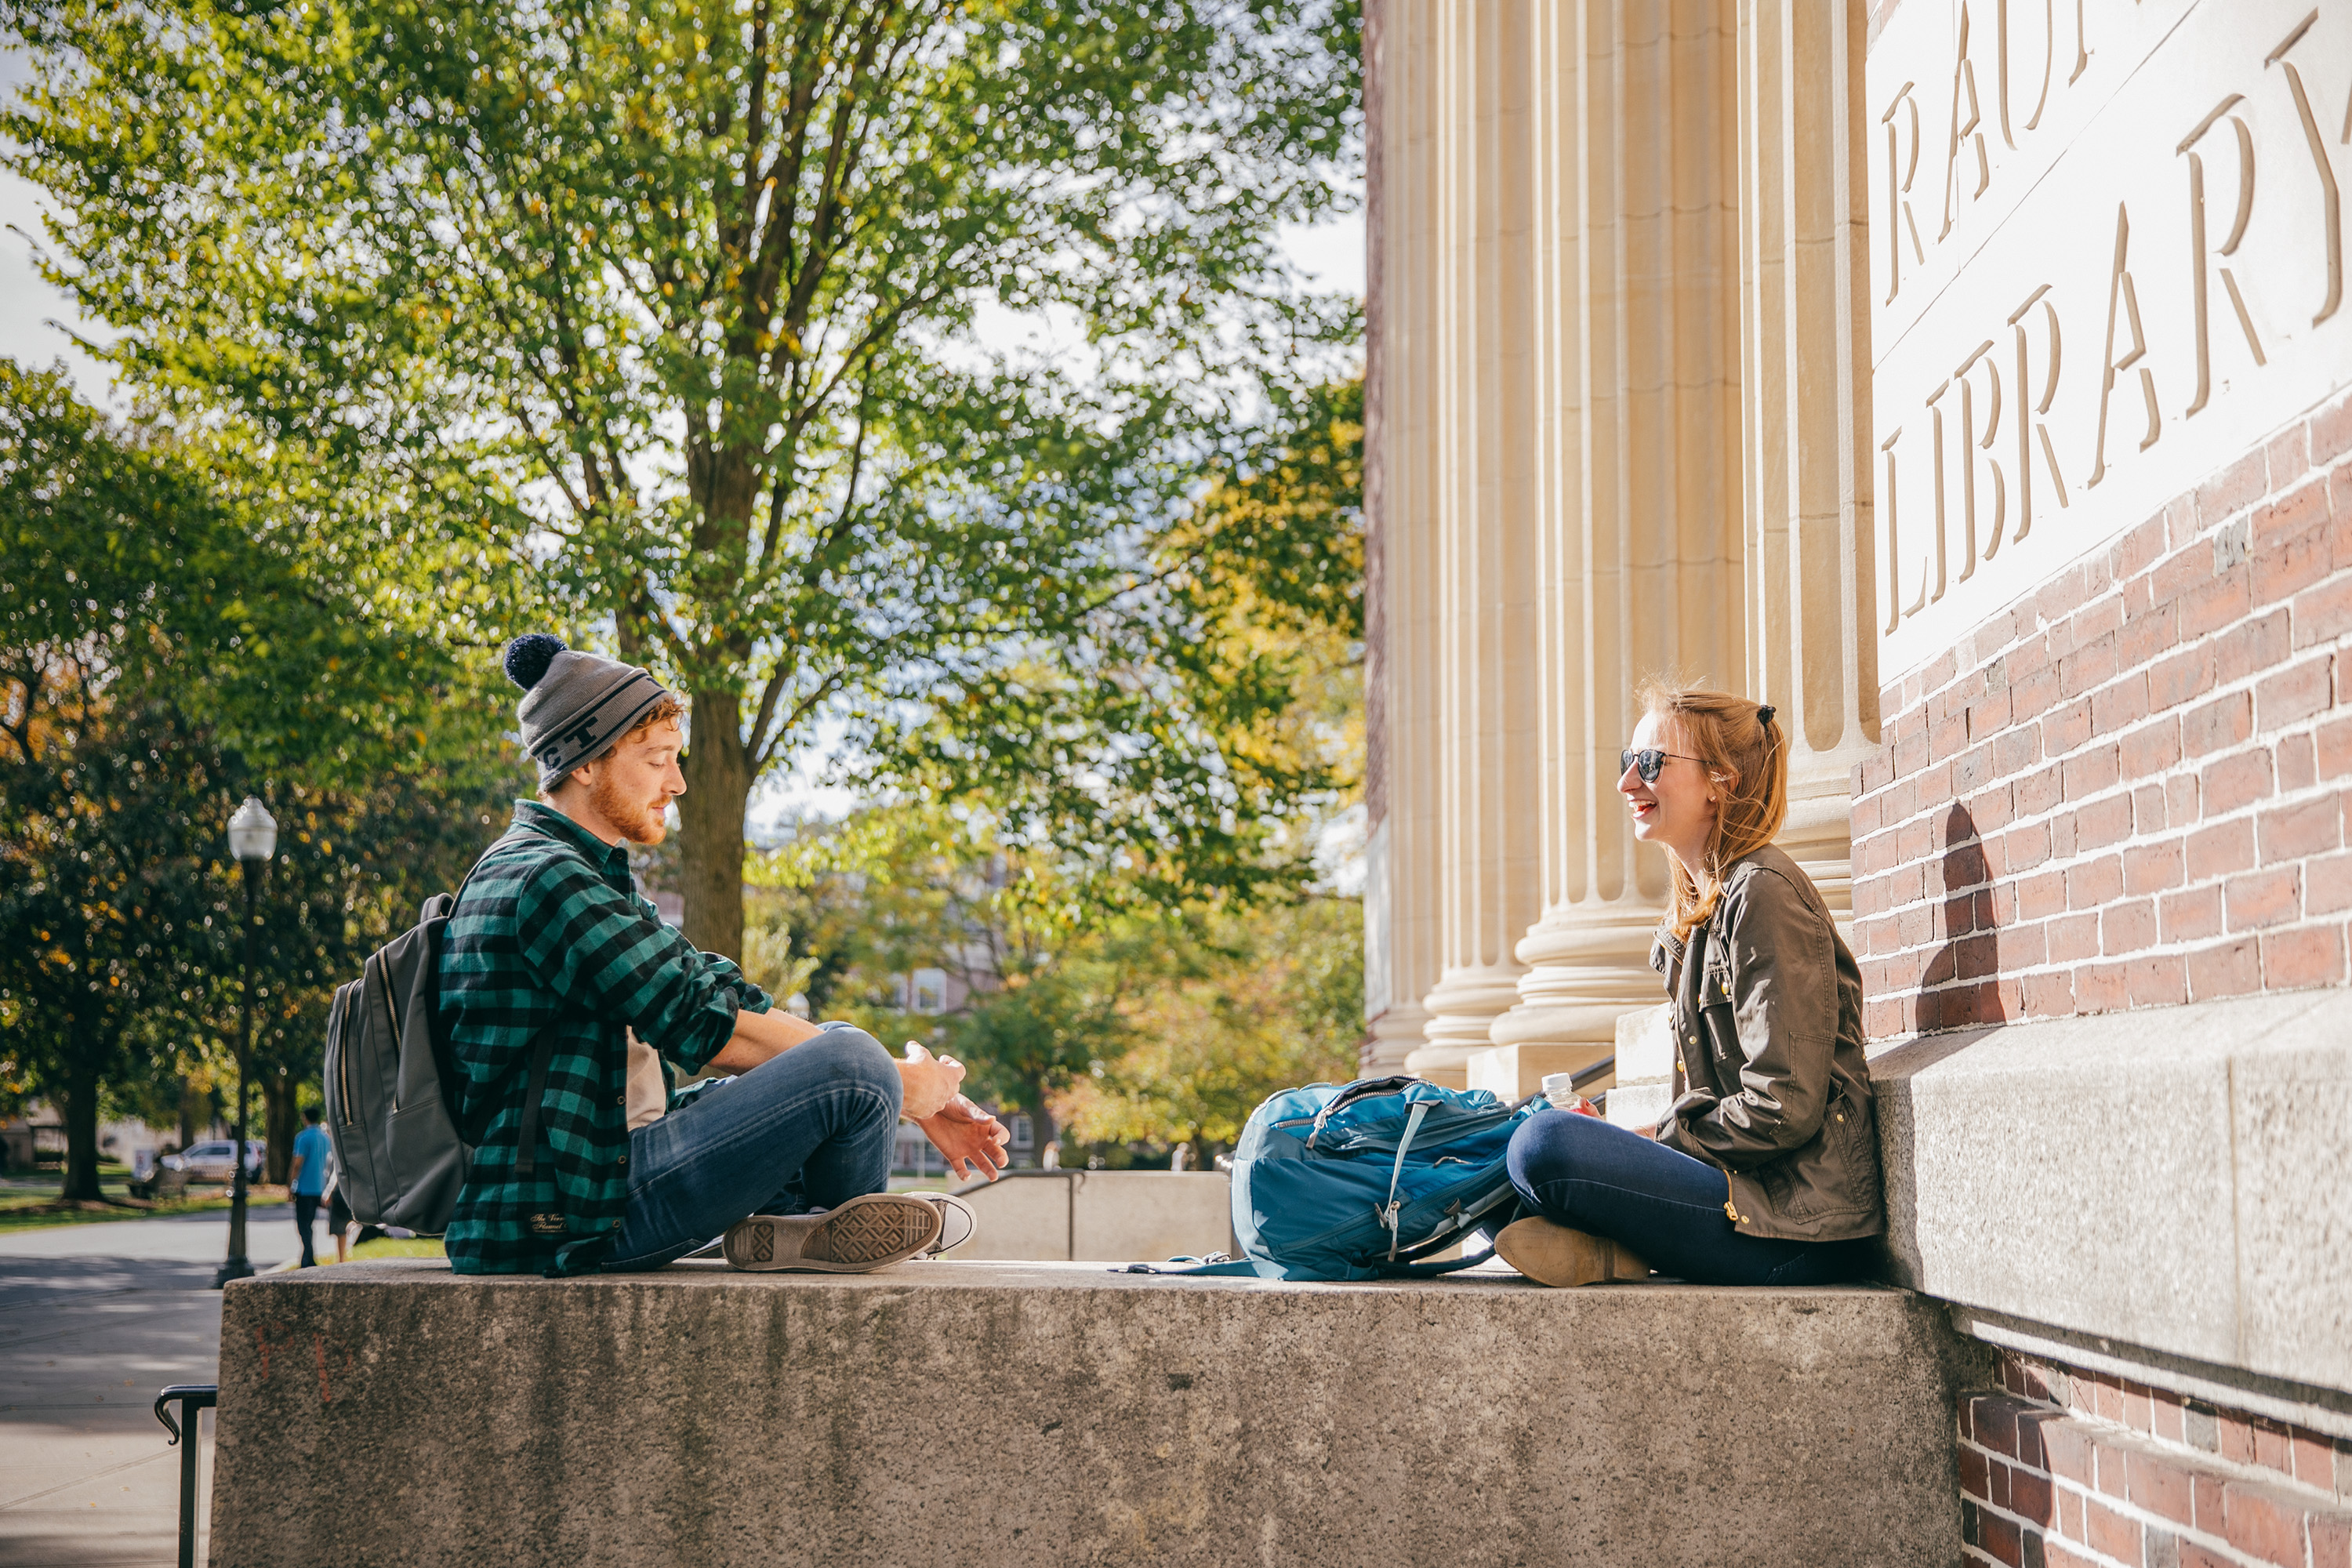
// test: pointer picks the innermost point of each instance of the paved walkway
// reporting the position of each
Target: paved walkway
(93, 1320)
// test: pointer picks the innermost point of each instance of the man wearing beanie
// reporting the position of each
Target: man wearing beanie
(568, 1001)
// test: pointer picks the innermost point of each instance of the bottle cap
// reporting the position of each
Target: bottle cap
(1560, 1086)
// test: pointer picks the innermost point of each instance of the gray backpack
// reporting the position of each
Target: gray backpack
(392, 1077)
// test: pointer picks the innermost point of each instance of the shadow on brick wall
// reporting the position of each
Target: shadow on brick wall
(1960, 984)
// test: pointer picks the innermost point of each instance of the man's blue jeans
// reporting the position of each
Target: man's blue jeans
(809, 1129)
(1587, 1175)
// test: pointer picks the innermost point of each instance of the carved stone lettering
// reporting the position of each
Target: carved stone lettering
(2123, 308)
(2172, 198)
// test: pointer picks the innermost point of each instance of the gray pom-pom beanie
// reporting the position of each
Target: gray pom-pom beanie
(575, 704)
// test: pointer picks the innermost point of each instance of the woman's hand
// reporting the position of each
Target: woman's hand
(926, 1083)
(972, 1141)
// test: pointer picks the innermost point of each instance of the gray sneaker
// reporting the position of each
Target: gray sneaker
(866, 1233)
(956, 1222)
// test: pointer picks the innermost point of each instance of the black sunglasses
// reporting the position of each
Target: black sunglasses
(1649, 764)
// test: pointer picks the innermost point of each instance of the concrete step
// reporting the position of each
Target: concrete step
(1031, 1216)
(393, 1414)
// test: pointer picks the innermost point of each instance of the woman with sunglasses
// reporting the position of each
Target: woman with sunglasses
(1765, 1169)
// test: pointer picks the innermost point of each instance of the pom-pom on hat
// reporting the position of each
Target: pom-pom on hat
(575, 704)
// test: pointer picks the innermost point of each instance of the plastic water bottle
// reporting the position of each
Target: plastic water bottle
(1559, 1088)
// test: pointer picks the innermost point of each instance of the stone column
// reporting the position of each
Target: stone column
(1401, 781)
(1638, 475)
(1481, 375)
(1804, 280)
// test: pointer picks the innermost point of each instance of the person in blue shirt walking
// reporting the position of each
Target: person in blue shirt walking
(313, 1151)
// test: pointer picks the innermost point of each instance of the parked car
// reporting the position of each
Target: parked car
(215, 1160)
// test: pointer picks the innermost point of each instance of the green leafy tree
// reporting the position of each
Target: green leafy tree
(162, 653)
(681, 305)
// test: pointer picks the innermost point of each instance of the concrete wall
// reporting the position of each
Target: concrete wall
(393, 1414)
(1114, 1217)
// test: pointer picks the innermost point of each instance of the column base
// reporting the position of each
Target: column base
(1391, 1039)
(1462, 1009)
(1587, 965)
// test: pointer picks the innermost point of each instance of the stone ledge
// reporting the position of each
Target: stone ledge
(2173, 1178)
(395, 1414)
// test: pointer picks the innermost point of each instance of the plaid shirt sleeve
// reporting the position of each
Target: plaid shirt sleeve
(603, 951)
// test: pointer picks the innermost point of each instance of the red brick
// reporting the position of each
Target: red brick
(2152, 868)
(2227, 969)
(2228, 599)
(2180, 799)
(2039, 792)
(2115, 1534)
(2000, 1538)
(2151, 631)
(2207, 1495)
(2236, 781)
(2072, 938)
(2150, 749)
(2057, 1556)
(2273, 1449)
(2102, 823)
(2187, 916)
(2331, 1543)
(2094, 770)
(2091, 666)
(2222, 723)
(2324, 613)
(2049, 995)
(2296, 511)
(2151, 813)
(2261, 898)
(1974, 1478)
(2160, 1487)
(2307, 689)
(2066, 728)
(2138, 551)
(2298, 762)
(2118, 704)
(2032, 694)
(2102, 988)
(2293, 831)
(2095, 882)
(2216, 851)
(2233, 490)
(2262, 1525)
(2159, 982)
(2331, 432)
(2308, 956)
(2182, 678)
(2265, 642)
(2287, 456)
(2127, 927)
(2314, 1459)
(2290, 566)
(2067, 1448)
(2235, 1437)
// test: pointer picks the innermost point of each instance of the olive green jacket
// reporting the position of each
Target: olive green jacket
(1770, 1086)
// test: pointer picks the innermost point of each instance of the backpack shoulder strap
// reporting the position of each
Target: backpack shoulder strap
(542, 1051)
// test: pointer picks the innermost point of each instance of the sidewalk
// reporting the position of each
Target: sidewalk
(93, 1320)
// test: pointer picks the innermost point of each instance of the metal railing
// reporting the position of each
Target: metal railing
(191, 1398)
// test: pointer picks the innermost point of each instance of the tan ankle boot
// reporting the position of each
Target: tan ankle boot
(1554, 1255)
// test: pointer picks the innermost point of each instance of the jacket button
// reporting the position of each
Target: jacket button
(623, 1161)
(1694, 1039)
(1679, 1067)
(622, 1101)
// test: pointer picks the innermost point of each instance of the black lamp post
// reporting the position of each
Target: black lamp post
(252, 838)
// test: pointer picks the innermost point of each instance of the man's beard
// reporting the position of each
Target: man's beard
(638, 822)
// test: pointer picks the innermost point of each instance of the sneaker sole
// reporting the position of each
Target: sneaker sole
(945, 1200)
(866, 1233)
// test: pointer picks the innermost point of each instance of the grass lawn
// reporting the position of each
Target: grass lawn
(33, 1204)
(389, 1247)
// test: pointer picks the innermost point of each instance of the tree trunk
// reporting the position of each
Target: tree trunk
(1042, 1130)
(279, 1122)
(80, 1106)
(710, 817)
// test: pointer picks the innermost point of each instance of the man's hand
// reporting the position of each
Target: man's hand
(971, 1139)
(927, 1082)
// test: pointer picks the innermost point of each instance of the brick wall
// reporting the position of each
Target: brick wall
(2061, 1467)
(2129, 789)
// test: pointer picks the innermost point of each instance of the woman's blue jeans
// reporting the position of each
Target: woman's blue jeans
(809, 1129)
(1587, 1175)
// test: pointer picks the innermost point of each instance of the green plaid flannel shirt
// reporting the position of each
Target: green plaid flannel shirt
(549, 933)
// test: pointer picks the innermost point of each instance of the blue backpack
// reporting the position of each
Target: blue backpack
(1362, 1181)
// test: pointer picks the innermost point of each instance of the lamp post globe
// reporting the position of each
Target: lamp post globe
(252, 840)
